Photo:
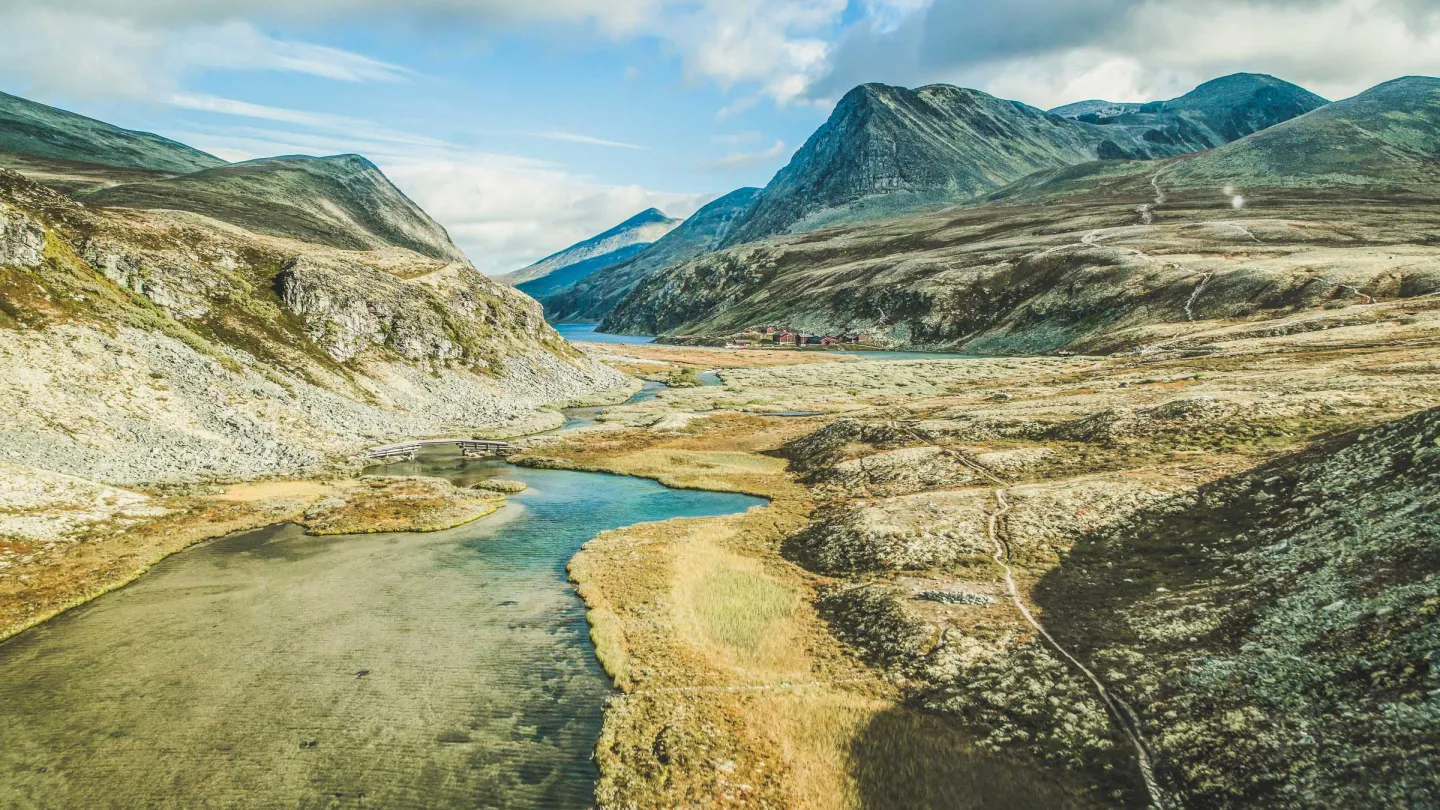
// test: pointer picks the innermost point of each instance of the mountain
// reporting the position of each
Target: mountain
(38, 130)
(1097, 108)
(312, 311)
(893, 147)
(1387, 135)
(564, 278)
(1108, 255)
(1215, 113)
(343, 201)
(599, 251)
(591, 299)
(886, 150)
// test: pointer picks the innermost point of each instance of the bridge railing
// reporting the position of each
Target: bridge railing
(470, 447)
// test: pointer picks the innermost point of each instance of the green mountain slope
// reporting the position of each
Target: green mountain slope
(343, 201)
(30, 128)
(1388, 135)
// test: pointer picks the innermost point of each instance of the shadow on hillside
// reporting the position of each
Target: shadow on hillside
(907, 759)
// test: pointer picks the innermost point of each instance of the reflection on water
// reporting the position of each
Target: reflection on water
(271, 669)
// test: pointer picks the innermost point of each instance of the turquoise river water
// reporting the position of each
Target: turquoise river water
(272, 669)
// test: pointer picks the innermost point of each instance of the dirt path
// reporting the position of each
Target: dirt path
(1126, 718)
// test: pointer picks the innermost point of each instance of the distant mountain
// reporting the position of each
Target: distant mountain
(564, 278)
(1387, 135)
(1215, 113)
(896, 147)
(38, 130)
(643, 228)
(1097, 108)
(343, 201)
(592, 298)
(886, 150)
(1335, 206)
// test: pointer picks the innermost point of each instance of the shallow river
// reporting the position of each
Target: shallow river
(271, 669)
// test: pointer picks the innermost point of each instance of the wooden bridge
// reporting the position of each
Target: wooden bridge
(470, 448)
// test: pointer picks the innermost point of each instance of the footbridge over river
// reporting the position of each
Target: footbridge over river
(471, 448)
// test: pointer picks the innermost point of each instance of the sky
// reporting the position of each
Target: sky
(526, 125)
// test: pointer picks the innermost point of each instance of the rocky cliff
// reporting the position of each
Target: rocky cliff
(143, 346)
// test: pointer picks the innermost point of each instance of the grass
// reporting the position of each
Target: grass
(733, 612)
(740, 609)
(729, 677)
(399, 504)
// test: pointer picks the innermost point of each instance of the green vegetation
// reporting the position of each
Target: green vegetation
(29, 128)
(282, 196)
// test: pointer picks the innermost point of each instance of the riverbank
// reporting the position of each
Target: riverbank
(265, 668)
(65, 540)
(733, 689)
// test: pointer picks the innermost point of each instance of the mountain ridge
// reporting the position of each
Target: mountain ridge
(342, 201)
(31, 128)
(644, 227)
(885, 150)
(1093, 257)
(591, 298)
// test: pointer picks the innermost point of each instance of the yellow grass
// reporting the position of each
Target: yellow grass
(732, 612)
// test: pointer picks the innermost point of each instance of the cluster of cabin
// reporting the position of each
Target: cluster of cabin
(772, 336)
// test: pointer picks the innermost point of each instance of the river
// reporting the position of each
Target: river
(272, 669)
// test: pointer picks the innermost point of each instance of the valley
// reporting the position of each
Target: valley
(1120, 493)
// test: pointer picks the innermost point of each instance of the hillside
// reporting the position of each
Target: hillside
(343, 202)
(598, 252)
(886, 150)
(591, 299)
(561, 280)
(1104, 255)
(1388, 135)
(30, 128)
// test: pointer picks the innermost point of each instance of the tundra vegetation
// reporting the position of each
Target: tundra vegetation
(1239, 544)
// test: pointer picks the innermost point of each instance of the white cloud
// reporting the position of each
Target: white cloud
(506, 213)
(572, 137)
(53, 51)
(1047, 53)
(736, 138)
(240, 46)
(745, 160)
(143, 47)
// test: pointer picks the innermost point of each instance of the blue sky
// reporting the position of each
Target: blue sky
(526, 126)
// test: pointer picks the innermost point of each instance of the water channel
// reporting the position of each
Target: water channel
(273, 669)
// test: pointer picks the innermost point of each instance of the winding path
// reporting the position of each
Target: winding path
(1124, 716)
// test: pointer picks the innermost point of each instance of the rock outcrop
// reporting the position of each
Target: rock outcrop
(140, 347)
